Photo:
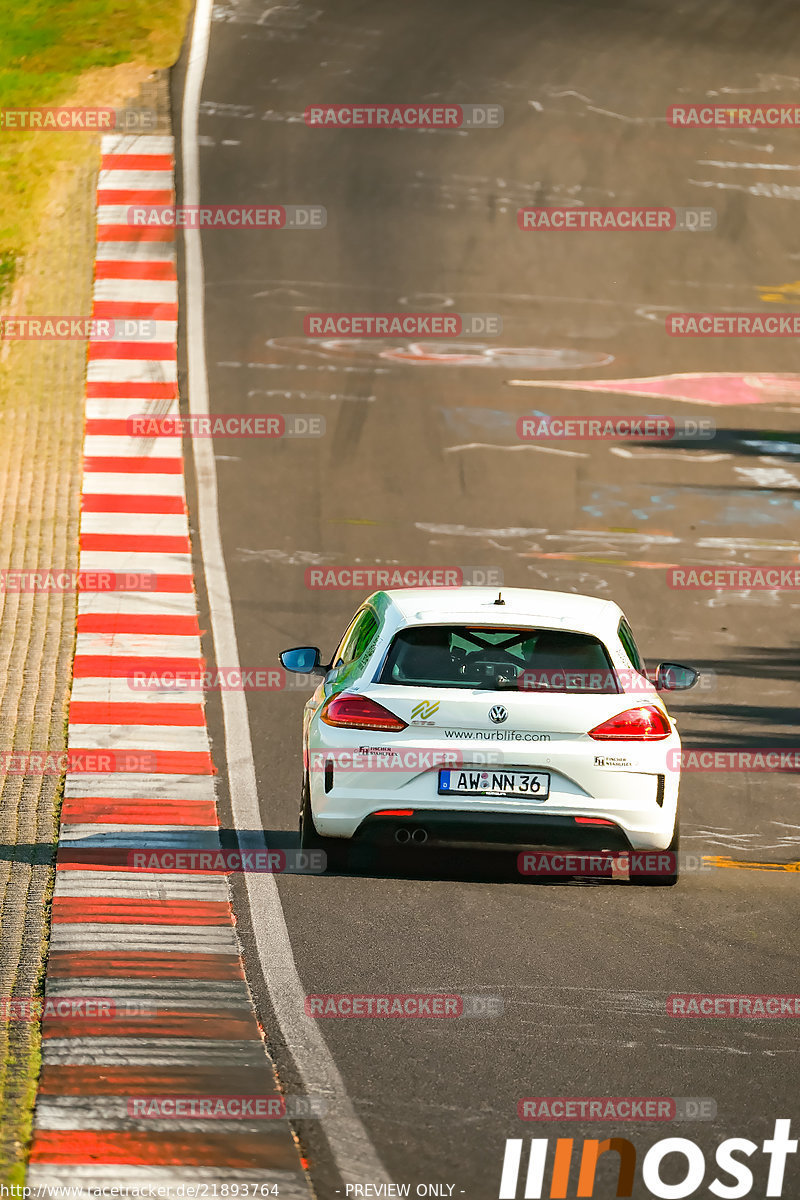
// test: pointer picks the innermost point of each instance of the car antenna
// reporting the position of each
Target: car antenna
(499, 599)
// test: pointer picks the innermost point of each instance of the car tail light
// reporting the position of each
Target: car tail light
(358, 712)
(394, 812)
(592, 821)
(647, 724)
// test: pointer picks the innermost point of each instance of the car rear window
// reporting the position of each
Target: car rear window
(470, 656)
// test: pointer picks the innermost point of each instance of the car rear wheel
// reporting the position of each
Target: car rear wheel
(336, 849)
(660, 878)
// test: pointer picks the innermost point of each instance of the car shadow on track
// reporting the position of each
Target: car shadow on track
(465, 865)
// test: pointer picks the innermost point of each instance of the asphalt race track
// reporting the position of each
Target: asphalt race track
(420, 464)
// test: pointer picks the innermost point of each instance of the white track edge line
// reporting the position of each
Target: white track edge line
(356, 1158)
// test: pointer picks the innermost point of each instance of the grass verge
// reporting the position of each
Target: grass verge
(68, 52)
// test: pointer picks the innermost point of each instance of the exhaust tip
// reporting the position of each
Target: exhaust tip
(420, 835)
(402, 836)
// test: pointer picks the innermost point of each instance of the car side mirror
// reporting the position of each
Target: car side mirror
(303, 660)
(672, 677)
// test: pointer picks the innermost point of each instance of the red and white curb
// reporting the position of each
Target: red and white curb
(159, 945)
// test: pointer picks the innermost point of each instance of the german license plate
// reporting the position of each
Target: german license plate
(532, 785)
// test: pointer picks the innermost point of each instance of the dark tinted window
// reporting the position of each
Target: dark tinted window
(497, 659)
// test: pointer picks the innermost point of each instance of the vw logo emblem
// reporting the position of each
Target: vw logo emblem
(498, 714)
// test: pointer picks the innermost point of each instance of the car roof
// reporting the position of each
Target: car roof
(525, 606)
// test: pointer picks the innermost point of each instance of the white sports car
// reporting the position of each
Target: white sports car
(460, 715)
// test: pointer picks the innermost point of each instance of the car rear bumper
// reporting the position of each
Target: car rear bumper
(444, 828)
(629, 784)
(643, 814)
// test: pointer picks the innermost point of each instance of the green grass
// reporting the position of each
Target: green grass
(7, 271)
(45, 44)
(48, 50)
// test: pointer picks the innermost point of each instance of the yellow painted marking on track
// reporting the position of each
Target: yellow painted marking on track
(781, 293)
(719, 860)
